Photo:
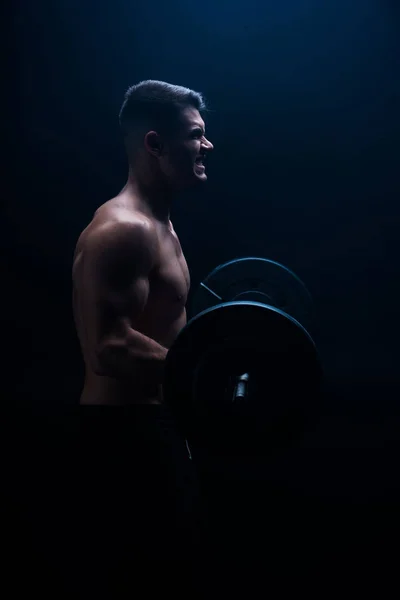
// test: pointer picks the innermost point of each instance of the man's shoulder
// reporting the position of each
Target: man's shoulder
(114, 218)
(116, 228)
(116, 224)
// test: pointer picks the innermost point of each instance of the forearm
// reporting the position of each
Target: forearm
(135, 356)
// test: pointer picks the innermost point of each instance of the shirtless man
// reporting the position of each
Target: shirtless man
(130, 278)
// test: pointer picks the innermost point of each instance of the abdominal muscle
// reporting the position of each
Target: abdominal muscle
(103, 390)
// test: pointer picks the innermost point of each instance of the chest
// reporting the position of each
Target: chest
(170, 279)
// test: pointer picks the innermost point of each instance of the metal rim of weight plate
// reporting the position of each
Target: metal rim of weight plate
(259, 280)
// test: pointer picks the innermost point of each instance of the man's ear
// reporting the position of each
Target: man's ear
(153, 143)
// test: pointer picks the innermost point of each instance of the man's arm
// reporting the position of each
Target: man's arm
(118, 261)
(122, 357)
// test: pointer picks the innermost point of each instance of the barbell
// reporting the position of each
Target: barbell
(244, 374)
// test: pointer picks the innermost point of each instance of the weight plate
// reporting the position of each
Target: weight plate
(257, 280)
(226, 341)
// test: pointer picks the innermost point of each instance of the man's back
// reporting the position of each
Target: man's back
(130, 285)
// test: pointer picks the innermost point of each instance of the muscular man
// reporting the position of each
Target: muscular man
(130, 278)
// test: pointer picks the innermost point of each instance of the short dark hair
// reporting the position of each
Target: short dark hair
(156, 105)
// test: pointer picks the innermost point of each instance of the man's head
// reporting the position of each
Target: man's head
(165, 133)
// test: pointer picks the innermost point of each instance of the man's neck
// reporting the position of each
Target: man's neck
(153, 196)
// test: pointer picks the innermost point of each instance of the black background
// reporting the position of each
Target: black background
(305, 123)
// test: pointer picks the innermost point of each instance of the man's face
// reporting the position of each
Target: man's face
(182, 161)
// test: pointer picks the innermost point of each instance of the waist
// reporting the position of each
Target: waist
(108, 391)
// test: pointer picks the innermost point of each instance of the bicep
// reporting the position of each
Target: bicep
(119, 286)
(123, 305)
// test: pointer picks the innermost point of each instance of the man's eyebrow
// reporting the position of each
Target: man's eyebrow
(198, 126)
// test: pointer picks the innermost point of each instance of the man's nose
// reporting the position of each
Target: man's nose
(208, 144)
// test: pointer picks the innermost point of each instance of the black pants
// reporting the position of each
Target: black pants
(107, 500)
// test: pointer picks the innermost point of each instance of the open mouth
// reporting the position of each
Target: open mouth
(200, 162)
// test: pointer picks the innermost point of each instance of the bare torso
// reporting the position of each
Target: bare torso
(163, 317)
